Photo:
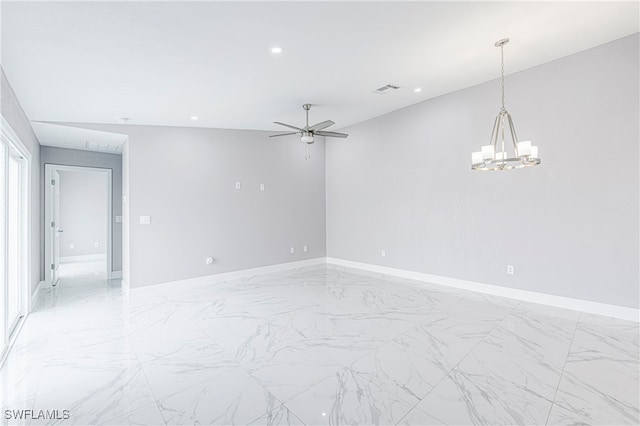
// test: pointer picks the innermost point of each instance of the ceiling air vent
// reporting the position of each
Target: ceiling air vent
(103, 146)
(385, 89)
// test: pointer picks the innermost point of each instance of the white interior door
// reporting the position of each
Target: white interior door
(55, 226)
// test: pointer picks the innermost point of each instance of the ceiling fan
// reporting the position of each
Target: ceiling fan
(308, 132)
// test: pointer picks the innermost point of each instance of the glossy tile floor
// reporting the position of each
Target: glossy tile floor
(316, 346)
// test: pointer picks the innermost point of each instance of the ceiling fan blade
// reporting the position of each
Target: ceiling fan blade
(321, 126)
(289, 126)
(284, 134)
(331, 134)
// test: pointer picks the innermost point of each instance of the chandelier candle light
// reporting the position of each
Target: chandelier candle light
(489, 158)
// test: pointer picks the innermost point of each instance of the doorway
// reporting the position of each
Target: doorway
(77, 222)
(15, 164)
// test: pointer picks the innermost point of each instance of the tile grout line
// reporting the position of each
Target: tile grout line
(242, 366)
(343, 367)
(462, 359)
(415, 406)
(349, 365)
(144, 373)
(553, 401)
(481, 340)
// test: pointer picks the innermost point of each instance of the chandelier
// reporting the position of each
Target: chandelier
(495, 156)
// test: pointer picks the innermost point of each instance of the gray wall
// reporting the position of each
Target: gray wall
(184, 178)
(13, 113)
(403, 183)
(83, 213)
(73, 157)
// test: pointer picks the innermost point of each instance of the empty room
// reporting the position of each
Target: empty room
(319, 213)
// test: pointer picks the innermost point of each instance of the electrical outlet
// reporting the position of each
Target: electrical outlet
(96, 244)
(72, 246)
(145, 220)
(209, 260)
(305, 249)
(262, 187)
(510, 270)
(383, 253)
(292, 250)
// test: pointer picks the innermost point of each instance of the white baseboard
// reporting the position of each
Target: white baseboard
(125, 288)
(35, 294)
(12, 340)
(243, 273)
(614, 311)
(588, 306)
(115, 275)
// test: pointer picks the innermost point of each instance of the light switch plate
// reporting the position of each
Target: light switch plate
(145, 220)
(118, 219)
(238, 185)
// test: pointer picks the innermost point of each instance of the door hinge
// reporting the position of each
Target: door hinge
(53, 267)
(53, 181)
(53, 224)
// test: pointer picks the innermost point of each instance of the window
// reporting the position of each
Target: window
(14, 216)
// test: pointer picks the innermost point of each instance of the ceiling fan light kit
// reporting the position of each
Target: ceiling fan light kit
(307, 133)
(306, 137)
(495, 155)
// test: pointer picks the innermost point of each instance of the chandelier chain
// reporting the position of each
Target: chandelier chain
(502, 74)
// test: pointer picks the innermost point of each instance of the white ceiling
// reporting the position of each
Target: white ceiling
(162, 62)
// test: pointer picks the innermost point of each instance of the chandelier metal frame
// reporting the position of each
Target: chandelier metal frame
(490, 159)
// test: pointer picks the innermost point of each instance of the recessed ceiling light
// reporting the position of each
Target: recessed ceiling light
(276, 49)
(418, 89)
(194, 117)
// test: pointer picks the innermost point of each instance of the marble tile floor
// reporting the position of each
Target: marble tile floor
(317, 345)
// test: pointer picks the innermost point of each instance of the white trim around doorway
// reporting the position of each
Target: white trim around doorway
(48, 168)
